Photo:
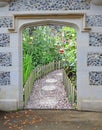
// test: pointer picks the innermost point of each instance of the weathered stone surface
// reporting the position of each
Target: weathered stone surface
(5, 59)
(94, 59)
(95, 78)
(26, 5)
(6, 22)
(4, 78)
(95, 39)
(4, 39)
(94, 20)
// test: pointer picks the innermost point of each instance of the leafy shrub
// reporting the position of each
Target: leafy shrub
(44, 44)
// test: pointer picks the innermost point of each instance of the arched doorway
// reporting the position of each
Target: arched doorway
(72, 20)
(54, 24)
(43, 45)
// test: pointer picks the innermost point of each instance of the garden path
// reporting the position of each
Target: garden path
(49, 93)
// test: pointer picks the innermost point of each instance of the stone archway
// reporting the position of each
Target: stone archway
(85, 100)
(36, 25)
(74, 20)
(84, 14)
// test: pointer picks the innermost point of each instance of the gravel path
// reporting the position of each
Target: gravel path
(49, 93)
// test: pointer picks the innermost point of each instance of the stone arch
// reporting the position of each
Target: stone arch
(86, 14)
(49, 22)
(75, 22)
(44, 23)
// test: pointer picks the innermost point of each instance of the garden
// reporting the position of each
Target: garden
(44, 44)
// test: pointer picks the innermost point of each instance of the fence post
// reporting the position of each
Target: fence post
(69, 87)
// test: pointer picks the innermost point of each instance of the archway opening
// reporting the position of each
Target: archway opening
(48, 43)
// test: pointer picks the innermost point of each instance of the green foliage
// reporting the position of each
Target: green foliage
(69, 57)
(44, 44)
(27, 67)
(38, 46)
